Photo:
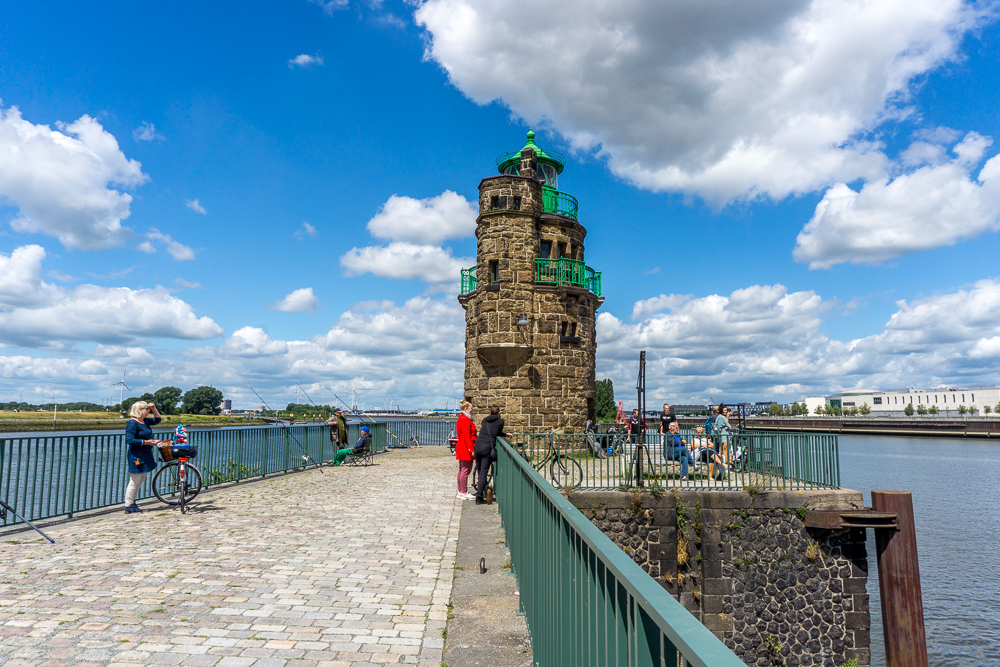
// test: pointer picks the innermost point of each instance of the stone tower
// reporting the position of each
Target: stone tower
(531, 301)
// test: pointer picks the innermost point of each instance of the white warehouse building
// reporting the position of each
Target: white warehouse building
(946, 399)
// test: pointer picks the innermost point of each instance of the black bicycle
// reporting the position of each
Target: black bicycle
(179, 481)
(474, 479)
(564, 470)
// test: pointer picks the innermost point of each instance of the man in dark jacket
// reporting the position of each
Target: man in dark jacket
(636, 425)
(338, 427)
(485, 450)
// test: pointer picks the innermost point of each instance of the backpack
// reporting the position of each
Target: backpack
(709, 424)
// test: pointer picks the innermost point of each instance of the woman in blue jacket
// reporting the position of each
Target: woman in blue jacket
(139, 438)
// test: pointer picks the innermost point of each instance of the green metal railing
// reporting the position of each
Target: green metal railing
(567, 272)
(560, 203)
(781, 461)
(469, 280)
(509, 158)
(585, 601)
(50, 476)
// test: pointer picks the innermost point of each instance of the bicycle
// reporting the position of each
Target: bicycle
(615, 441)
(564, 469)
(179, 481)
(474, 480)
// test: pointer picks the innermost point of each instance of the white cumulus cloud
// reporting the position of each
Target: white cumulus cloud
(64, 181)
(722, 99)
(195, 206)
(305, 60)
(425, 221)
(37, 314)
(177, 250)
(299, 301)
(406, 261)
(933, 205)
(416, 228)
(763, 342)
(146, 132)
(307, 231)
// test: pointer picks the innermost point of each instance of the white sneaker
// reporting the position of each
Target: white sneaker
(468, 496)
(460, 495)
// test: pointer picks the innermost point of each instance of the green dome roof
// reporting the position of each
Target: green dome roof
(557, 160)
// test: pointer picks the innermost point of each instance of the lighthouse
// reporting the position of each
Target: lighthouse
(531, 300)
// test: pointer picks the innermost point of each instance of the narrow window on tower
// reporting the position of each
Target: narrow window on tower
(545, 250)
(564, 325)
(562, 250)
(496, 203)
(494, 272)
(572, 329)
(517, 204)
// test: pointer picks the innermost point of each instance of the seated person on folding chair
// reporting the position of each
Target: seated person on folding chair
(360, 448)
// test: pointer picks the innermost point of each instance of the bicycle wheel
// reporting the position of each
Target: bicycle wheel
(566, 470)
(166, 484)
(182, 486)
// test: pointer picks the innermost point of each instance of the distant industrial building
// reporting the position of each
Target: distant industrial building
(227, 406)
(946, 399)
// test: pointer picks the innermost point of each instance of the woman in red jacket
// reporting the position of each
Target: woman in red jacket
(466, 430)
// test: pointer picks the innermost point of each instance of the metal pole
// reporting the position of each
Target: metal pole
(640, 387)
(899, 582)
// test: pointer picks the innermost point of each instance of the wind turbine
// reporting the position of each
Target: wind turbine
(121, 394)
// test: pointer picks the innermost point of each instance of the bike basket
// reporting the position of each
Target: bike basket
(164, 449)
(184, 451)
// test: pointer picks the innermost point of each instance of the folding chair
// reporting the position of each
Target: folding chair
(366, 457)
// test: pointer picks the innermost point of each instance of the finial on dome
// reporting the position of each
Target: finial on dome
(531, 136)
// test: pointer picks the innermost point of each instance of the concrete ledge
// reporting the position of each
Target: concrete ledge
(709, 499)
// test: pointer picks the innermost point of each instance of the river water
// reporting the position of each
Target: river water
(956, 504)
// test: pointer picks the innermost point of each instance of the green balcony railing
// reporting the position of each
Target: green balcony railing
(772, 461)
(469, 280)
(567, 272)
(586, 602)
(559, 203)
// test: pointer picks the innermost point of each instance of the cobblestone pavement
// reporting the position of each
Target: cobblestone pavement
(353, 566)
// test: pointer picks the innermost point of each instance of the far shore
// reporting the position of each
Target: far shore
(21, 422)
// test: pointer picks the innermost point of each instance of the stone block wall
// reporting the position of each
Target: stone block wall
(776, 592)
(540, 375)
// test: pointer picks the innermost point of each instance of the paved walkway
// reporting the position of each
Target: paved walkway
(353, 566)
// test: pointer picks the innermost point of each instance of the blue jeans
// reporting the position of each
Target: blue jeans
(681, 452)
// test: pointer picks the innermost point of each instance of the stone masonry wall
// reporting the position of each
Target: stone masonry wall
(540, 377)
(776, 592)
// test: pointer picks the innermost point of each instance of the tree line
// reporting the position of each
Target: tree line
(172, 401)
(169, 401)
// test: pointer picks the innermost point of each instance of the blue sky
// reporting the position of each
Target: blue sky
(783, 201)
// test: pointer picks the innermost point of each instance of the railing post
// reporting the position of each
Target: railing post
(72, 475)
(899, 582)
(285, 466)
(3, 448)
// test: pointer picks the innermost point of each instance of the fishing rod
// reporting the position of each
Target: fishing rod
(388, 432)
(306, 456)
(306, 395)
(412, 434)
(4, 508)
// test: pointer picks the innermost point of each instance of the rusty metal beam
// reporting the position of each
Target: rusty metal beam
(842, 519)
(899, 582)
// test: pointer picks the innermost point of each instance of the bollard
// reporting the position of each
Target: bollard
(899, 582)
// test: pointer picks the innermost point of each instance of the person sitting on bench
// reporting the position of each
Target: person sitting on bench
(674, 448)
(359, 447)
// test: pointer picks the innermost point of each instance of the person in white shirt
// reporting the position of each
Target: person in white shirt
(701, 450)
